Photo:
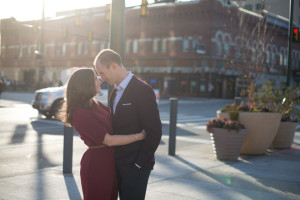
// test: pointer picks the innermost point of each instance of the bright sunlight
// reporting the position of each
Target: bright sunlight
(23, 10)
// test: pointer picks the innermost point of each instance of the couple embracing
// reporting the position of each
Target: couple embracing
(121, 138)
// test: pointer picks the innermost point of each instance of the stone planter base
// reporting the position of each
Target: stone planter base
(227, 144)
(261, 130)
(285, 135)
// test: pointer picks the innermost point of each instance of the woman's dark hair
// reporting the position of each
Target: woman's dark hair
(79, 93)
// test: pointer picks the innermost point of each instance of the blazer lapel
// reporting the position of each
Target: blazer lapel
(126, 92)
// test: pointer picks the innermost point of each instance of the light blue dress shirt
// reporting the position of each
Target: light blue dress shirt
(120, 90)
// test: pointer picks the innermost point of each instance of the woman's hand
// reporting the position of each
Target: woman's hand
(141, 135)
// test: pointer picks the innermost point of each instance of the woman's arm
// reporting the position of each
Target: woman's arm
(117, 140)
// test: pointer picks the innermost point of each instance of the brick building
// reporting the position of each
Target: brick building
(197, 48)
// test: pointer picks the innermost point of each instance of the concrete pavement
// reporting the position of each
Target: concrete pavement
(194, 173)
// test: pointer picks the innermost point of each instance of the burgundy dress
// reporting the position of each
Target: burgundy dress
(98, 175)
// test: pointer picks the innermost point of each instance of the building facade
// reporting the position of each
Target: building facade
(203, 48)
(277, 7)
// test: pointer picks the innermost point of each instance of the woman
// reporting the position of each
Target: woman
(92, 121)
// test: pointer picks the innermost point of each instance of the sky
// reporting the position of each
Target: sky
(23, 10)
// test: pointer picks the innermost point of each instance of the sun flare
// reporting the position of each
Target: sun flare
(32, 9)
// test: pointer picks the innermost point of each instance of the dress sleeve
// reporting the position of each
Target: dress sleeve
(90, 126)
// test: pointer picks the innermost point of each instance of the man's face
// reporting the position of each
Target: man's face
(106, 73)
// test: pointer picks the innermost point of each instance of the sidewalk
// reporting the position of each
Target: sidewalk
(193, 174)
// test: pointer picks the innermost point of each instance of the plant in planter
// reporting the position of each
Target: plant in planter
(289, 120)
(231, 110)
(261, 118)
(227, 137)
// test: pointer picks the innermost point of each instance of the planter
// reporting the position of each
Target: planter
(227, 144)
(261, 131)
(285, 135)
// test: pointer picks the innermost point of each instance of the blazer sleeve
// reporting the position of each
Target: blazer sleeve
(90, 127)
(151, 123)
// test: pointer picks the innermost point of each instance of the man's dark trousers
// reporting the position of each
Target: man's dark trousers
(134, 185)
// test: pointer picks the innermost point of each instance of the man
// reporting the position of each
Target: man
(133, 108)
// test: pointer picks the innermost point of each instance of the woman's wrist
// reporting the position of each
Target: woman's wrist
(136, 137)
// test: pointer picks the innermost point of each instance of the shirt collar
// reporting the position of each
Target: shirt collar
(125, 82)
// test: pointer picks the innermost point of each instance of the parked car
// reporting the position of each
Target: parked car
(48, 101)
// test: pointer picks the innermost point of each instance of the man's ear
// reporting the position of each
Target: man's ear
(113, 66)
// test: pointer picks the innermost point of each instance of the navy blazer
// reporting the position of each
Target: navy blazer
(137, 110)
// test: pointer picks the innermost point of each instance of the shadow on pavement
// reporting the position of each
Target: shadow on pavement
(239, 182)
(19, 134)
(72, 187)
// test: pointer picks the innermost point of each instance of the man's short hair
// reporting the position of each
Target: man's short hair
(108, 56)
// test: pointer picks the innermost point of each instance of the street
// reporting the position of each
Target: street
(30, 142)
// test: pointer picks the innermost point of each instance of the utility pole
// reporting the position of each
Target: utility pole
(117, 26)
(290, 42)
(40, 53)
(117, 29)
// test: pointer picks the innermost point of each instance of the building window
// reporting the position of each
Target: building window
(28, 50)
(64, 49)
(185, 44)
(20, 51)
(285, 58)
(79, 48)
(57, 49)
(102, 45)
(226, 45)
(259, 6)
(128, 46)
(195, 43)
(172, 46)
(155, 45)
(200, 49)
(281, 58)
(135, 46)
(268, 55)
(25, 52)
(249, 7)
(164, 45)
(219, 45)
(273, 55)
(85, 48)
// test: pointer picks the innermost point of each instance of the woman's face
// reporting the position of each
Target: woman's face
(98, 82)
